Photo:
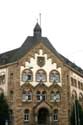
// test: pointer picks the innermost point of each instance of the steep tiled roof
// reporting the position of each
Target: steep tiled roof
(29, 43)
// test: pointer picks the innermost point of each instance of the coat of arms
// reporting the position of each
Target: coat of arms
(40, 61)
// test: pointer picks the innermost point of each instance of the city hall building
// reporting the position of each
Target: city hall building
(39, 83)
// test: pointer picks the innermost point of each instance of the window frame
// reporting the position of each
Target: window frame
(45, 76)
(25, 73)
(55, 117)
(51, 79)
(44, 95)
(26, 115)
(38, 96)
(2, 78)
(27, 96)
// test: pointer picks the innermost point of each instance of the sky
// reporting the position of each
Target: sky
(61, 23)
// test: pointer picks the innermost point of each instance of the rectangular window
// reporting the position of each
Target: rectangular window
(26, 117)
(29, 97)
(39, 97)
(55, 118)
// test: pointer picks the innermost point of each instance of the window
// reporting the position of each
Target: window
(39, 96)
(27, 75)
(58, 96)
(2, 79)
(80, 85)
(41, 75)
(73, 82)
(43, 95)
(55, 96)
(52, 96)
(74, 95)
(26, 96)
(55, 117)
(29, 96)
(54, 76)
(26, 117)
(80, 97)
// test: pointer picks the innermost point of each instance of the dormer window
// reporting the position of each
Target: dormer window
(27, 75)
(54, 76)
(41, 75)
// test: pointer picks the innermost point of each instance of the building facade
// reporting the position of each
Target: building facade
(40, 84)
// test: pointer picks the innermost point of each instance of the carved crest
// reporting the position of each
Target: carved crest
(40, 61)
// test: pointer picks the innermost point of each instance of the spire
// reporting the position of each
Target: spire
(37, 30)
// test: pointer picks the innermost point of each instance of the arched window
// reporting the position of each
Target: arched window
(81, 97)
(44, 95)
(26, 116)
(2, 78)
(39, 96)
(27, 96)
(55, 117)
(54, 76)
(74, 95)
(27, 75)
(41, 75)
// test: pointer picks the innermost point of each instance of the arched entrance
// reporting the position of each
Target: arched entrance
(43, 116)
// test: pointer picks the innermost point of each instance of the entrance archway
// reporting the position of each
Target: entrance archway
(43, 116)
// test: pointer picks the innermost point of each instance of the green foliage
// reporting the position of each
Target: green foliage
(4, 109)
(77, 114)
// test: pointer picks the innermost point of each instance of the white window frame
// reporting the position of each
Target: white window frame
(26, 116)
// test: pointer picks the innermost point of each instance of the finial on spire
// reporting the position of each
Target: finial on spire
(40, 19)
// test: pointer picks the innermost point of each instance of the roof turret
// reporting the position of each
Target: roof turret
(37, 30)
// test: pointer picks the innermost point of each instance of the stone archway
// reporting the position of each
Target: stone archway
(43, 116)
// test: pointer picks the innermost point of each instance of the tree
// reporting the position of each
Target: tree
(77, 114)
(4, 110)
